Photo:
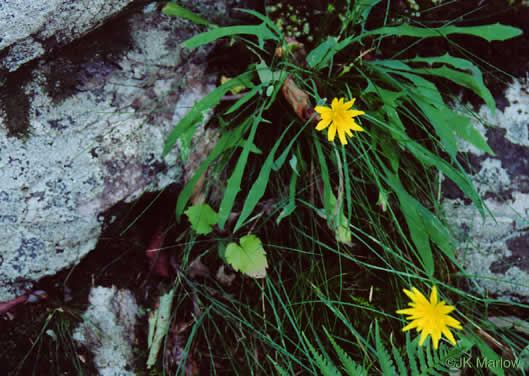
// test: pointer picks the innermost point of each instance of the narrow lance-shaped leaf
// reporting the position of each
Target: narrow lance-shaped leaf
(262, 32)
(472, 81)
(322, 53)
(159, 322)
(234, 182)
(175, 10)
(488, 32)
(195, 115)
(258, 188)
(228, 140)
(463, 182)
(418, 232)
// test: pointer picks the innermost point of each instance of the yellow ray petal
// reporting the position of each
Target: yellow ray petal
(323, 124)
(341, 135)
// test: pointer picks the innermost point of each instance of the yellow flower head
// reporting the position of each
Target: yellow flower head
(429, 317)
(340, 118)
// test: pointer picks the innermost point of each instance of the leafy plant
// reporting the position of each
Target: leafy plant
(378, 196)
(393, 89)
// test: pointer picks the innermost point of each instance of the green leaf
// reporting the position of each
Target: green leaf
(337, 221)
(202, 217)
(173, 9)
(462, 180)
(389, 149)
(234, 182)
(282, 158)
(195, 115)
(248, 96)
(424, 89)
(262, 32)
(362, 8)
(489, 32)
(322, 54)
(423, 225)
(437, 232)
(449, 122)
(259, 186)
(248, 258)
(268, 76)
(322, 360)
(265, 19)
(441, 124)
(446, 122)
(418, 231)
(490, 359)
(227, 141)
(327, 191)
(348, 364)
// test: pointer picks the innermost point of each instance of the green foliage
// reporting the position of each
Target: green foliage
(248, 258)
(399, 85)
(202, 217)
(410, 143)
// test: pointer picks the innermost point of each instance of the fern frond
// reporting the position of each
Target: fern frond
(399, 361)
(352, 367)
(411, 350)
(322, 360)
(384, 359)
(422, 361)
(280, 370)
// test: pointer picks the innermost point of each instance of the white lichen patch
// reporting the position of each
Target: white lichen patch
(108, 330)
(483, 244)
(492, 177)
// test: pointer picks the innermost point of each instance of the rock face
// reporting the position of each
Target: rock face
(495, 253)
(90, 125)
(30, 29)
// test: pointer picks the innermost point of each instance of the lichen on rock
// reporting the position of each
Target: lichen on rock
(494, 252)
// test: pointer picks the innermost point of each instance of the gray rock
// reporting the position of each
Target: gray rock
(107, 330)
(96, 118)
(30, 29)
(496, 252)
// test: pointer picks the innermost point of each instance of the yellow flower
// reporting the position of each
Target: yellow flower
(429, 317)
(340, 118)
